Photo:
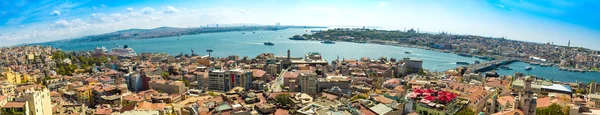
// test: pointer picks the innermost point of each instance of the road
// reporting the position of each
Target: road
(275, 85)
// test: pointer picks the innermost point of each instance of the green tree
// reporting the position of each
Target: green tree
(186, 82)
(466, 111)
(553, 109)
(581, 91)
(165, 74)
(283, 99)
(421, 72)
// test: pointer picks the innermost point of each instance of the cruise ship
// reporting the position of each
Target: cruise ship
(101, 49)
(123, 52)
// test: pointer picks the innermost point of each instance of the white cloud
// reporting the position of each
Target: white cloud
(55, 13)
(103, 5)
(170, 9)
(70, 24)
(147, 10)
(129, 9)
(500, 5)
(382, 4)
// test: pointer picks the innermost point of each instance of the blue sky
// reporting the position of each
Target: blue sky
(30, 21)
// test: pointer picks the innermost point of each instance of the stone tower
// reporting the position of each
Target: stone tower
(494, 104)
(527, 97)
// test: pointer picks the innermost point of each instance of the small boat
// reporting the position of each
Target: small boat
(477, 62)
(506, 68)
(269, 43)
(528, 68)
(462, 63)
(407, 52)
(243, 33)
(328, 42)
(253, 32)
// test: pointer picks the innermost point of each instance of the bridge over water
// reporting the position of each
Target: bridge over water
(490, 65)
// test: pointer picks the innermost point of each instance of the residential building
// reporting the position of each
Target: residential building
(168, 86)
(289, 80)
(38, 101)
(414, 65)
(84, 95)
(593, 88)
(342, 82)
(15, 108)
(12, 77)
(134, 82)
(6, 89)
(307, 83)
(218, 81)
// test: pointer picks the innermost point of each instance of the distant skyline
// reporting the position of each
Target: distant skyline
(543, 21)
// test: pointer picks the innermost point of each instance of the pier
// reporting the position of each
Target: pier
(487, 66)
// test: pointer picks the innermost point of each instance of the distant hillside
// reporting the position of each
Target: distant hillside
(169, 32)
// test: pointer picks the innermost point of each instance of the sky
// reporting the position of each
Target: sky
(542, 21)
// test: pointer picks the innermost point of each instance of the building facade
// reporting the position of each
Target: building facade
(307, 83)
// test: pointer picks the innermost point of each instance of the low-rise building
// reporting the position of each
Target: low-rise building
(15, 108)
(167, 86)
(329, 82)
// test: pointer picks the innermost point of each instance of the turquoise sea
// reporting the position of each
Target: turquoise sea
(251, 44)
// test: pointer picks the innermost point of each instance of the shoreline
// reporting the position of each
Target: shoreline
(390, 43)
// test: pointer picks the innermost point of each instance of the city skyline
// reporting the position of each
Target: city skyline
(536, 21)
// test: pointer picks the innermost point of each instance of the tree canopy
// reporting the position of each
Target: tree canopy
(553, 109)
(283, 99)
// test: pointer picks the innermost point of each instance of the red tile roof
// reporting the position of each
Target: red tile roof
(258, 73)
(290, 75)
(14, 105)
(366, 111)
(103, 111)
(383, 100)
(281, 112)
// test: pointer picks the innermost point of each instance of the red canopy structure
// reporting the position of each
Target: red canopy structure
(430, 98)
(419, 91)
(429, 91)
(446, 97)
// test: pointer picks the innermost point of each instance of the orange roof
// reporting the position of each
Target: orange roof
(132, 98)
(511, 112)
(366, 111)
(506, 99)
(103, 111)
(14, 105)
(329, 96)
(144, 105)
(158, 106)
(543, 102)
(477, 95)
(383, 100)
(258, 73)
(290, 75)
(281, 112)
(398, 89)
(83, 88)
(3, 97)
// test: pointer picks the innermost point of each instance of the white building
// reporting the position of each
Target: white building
(38, 101)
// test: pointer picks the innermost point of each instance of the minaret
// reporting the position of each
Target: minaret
(517, 103)
(494, 102)
(532, 105)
